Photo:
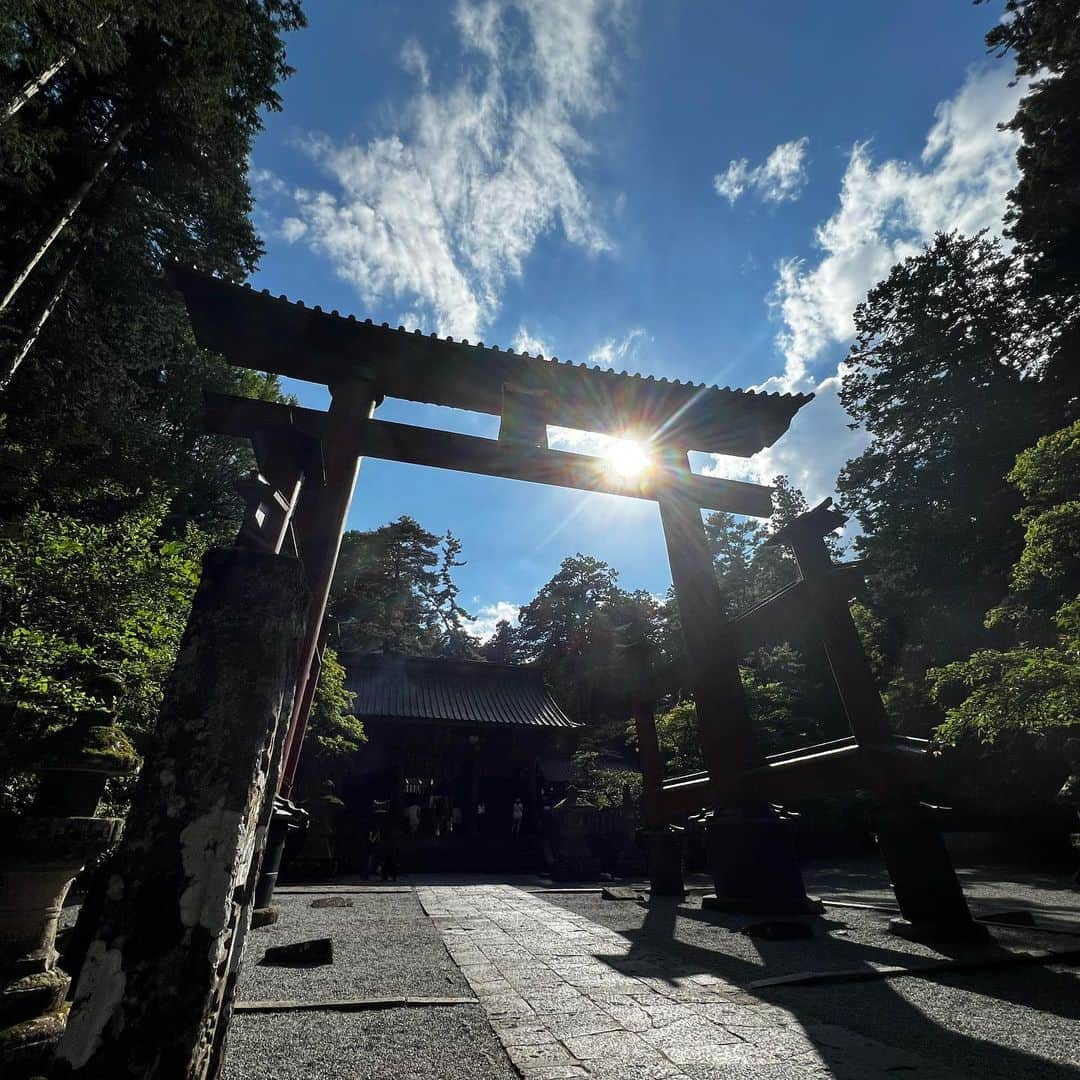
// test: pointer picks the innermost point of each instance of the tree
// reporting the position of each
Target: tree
(576, 628)
(109, 488)
(81, 596)
(332, 729)
(1043, 217)
(150, 123)
(505, 645)
(1044, 207)
(1032, 687)
(394, 589)
(942, 378)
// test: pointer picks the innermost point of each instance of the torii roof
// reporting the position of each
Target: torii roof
(394, 686)
(266, 333)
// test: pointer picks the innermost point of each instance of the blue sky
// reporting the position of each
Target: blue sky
(695, 190)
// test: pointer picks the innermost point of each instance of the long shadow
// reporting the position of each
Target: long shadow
(874, 1008)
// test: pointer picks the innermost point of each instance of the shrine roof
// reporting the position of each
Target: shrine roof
(392, 685)
(267, 333)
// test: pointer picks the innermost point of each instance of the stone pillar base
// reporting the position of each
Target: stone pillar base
(664, 859)
(751, 857)
(26, 1049)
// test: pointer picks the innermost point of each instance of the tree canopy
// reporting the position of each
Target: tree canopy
(126, 145)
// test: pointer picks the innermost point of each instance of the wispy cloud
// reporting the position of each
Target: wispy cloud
(439, 213)
(526, 342)
(619, 351)
(779, 178)
(886, 212)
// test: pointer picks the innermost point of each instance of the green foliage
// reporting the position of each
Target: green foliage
(1026, 689)
(576, 628)
(1034, 686)
(394, 589)
(332, 729)
(942, 376)
(603, 788)
(505, 645)
(1044, 207)
(774, 713)
(83, 595)
(109, 488)
(677, 733)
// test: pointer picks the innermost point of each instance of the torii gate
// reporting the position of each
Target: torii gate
(297, 508)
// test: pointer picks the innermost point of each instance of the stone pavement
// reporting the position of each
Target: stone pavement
(570, 998)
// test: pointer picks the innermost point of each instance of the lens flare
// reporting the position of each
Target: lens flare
(627, 458)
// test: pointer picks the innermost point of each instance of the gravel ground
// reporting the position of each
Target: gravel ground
(413, 1044)
(700, 941)
(1017, 1025)
(987, 887)
(384, 946)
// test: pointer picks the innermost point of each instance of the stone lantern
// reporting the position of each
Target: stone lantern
(42, 853)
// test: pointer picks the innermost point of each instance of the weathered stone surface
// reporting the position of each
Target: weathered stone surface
(301, 953)
(264, 916)
(32, 995)
(331, 901)
(620, 892)
(158, 978)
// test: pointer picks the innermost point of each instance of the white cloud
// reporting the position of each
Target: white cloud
(292, 229)
(525, 342)
(615, 351)
(779, 178)
(579, 442)
(414, 60)
(441, 211)
(887, 211)
(491, 614)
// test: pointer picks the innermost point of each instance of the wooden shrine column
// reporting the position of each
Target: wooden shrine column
(319, 523)
(727, 736)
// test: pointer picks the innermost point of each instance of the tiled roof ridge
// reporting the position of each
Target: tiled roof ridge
(414, 658)
(387, 328)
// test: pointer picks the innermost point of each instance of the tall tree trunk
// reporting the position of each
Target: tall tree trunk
(69, 211)
(11, 365)
(31, 88)
(38, 83)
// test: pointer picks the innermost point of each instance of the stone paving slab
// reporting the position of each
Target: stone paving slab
(570, 998)
(1008, 1024)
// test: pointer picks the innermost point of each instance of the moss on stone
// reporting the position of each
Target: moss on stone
(109, 749)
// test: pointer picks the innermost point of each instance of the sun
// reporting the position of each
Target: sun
(627, 458)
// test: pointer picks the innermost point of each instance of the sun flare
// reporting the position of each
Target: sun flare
(627, 458)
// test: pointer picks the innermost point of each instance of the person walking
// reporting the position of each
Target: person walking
(517, 814)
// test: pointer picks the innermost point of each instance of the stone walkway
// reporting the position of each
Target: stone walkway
(569, 998)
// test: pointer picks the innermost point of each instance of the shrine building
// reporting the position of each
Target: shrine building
(452, 744)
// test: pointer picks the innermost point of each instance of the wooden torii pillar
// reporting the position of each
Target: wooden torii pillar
(751, 852)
